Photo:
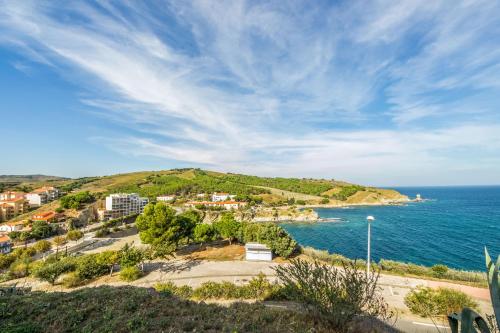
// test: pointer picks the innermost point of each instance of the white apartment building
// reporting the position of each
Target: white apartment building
(37, 199)
(222, 196)
(123, 204)
(42, 195)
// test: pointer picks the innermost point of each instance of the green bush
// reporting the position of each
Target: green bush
(324, 201)
(74, 235)
(50, 271)
(42, 246)
(75, 201)
(258, 288)
(336, 295)
(20, 268)
(204, 233)
(72, 280)
(439, 270)
(300, 202)
(170, 288)
(89, 267)
(130, 273)
(428, 302)
(102, 232)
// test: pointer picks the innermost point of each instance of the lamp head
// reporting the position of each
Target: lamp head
(370, 218)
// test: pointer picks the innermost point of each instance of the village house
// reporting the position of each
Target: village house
(165, 198)
(222, 196)
(5, 244)
(225, 204)
(48, 217)
(12, 226)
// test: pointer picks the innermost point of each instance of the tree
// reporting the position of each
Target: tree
(109, 258)
(228, 227)
(42, 246)
(162, 228)
(51, 271)
(89, 267)
(131, 256)
(59, 240)
(203, 233)
(74, 235)
(41, 229)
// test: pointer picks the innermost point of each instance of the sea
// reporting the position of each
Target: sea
(451, 227)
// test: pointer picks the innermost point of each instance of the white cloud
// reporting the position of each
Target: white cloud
(264, 87)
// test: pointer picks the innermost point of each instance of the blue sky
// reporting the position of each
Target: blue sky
(378, 92)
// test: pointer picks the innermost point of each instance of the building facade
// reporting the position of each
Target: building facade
(12, 207)
(42, 195)
(222, 196)
(5, 244)
(123, 204)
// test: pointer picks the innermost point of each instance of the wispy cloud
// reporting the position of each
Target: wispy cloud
(279, 87)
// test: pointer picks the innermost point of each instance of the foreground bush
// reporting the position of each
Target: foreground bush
(130, 309)
(428, 302)
(335, 295)
(258, 288)
(130, 273)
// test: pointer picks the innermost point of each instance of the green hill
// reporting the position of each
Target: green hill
(185, 182)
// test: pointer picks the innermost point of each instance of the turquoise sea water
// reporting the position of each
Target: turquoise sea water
(451, 228)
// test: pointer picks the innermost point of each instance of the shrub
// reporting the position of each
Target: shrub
(74, 235)
(325, 201)
(337, 295)
(89, 267)
(6, 260)
(42, 246)
(51, 271)
(439, 270)
(428, 302)
(59, 210)
(60, 240)
(102, 232)
(20, 268)
(72, 280)
(130, 273)
(171, 289)
(300, 202)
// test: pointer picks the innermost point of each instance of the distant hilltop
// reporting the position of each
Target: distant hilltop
(28, 178)
(189, 181)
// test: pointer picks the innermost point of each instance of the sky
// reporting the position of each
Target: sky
(374, 92)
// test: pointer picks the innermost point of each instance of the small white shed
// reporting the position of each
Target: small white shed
(258, 252)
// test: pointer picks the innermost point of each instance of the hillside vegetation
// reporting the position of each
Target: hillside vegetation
(188, 182)
(192, 181)
(141, 310)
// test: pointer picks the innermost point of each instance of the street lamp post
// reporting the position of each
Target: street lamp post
(370, 219)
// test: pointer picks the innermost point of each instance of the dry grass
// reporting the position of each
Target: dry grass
(216, 253)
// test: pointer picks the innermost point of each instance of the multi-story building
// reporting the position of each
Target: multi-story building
(12, 207)
(123, 204)
(9, 195)
(37, 199)
(42, 195)
(222, 196)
